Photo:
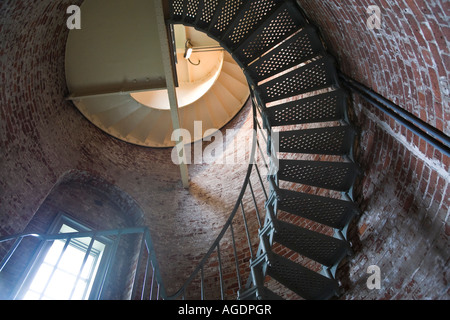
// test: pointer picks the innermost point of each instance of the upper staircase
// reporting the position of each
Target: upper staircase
(145, 120)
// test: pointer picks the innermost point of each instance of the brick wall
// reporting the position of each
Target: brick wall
(405, 191)
(43, 137)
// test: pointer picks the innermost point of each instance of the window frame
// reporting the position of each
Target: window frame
(41, 252)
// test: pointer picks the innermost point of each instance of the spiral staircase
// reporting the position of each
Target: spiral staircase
(301, 112)
(297, 97)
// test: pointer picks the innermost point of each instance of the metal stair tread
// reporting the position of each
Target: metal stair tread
(328, 140)
(278, 26)
(319, 247)
(268, 294)
(338, 176)
(224, 16)
(329, 106)
(316, 75)
(296, 49)
(331, 212)
(308, 284)
(259, 293)
(253, 14)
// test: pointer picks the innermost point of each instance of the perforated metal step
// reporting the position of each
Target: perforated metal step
(329, 140)
(317, 75)
(324, 249)
(212, 16)
(299, 48)
(224, 16)
(204, 14)
(263, 293)
(338, 176)
(308, 284)
(267, 294)
(334, 213)
(249, 19)
(284, 22)
(330, 106)
(177, 11)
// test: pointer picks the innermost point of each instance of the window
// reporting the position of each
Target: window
(66, 269)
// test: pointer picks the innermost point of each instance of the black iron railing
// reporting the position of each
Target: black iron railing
(419, 127)
(258, 159)
(149, 282)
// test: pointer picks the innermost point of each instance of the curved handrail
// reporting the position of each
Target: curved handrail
(216, 242)
(74, 235)
(227, 225)
(146, 242)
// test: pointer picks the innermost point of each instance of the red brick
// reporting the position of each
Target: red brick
(47, 137)
(435, 84)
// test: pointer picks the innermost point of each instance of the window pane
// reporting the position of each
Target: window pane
(79, 293)
(54, 252)
(59, 277)
(31, 296)
(60, 285)
(88, 267)
(66, 229)
(72, 260)
(41, 278)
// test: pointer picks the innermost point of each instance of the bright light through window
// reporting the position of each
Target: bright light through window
(68, 270)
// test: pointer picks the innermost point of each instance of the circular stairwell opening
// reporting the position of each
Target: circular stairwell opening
(198, 66)
(116, 79)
